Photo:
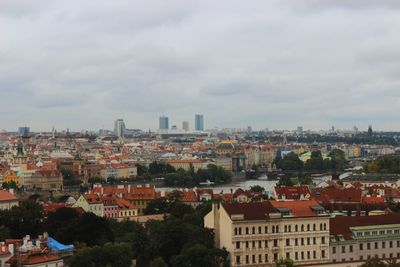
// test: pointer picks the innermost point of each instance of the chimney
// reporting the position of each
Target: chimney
(11, 190)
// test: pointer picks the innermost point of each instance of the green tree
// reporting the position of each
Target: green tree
(158, 262)
(374, 262)
(284, 263)
(289, 162)
(257, 189)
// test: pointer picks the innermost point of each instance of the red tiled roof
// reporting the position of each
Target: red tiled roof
(367, 200)
(292, 192)
(184, 161)
(251, 211)
(189, 196)
(7, 196)
(299, 208)
(341, 225)
(332, 194)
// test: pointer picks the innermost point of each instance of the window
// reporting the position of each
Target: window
(302, 241)
(259, 244)
(333, 250)
(247, 244)
(273, 228)
(343, 249)
(302, 255)
(237, 245)
(361, 247)
(247, 230)
(266, 229)
(314, 254)
(383, 256)
(320, 226)
(314, 240)
(266, 243)
(240, 230)
(253, 258)
(259, 258)
(247, 259)
(398, 244)
(361, 258)
(376, 245)
(383, 244)
(296, 243)
(351, 248)
(296, 228)
(238, 260)
(308, 255)
(296, 255)
(324, 226)
(266, 257)
(253, 243)
(390, 244)
(287, 255)
(259, 230)
(302, 228)
(308, 227)
(275, 242)
(314, 227)
(308, 241)
(323, 253)
(287, 242)
(285, 228)
(323, 240)
(275, 256)
(277, 229)
(290, 228)
(368, 246)
(253, 230)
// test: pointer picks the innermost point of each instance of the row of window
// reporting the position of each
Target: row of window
(275, 229)
(368, 246)
(288, 242)
(381, 232)
(251, 259)
(384, 256)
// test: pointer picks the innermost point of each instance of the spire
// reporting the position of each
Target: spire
(20, 149)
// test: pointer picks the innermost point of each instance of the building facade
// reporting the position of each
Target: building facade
(260, 233)
(199, 122)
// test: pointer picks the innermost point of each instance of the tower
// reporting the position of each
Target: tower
(199, 122)
(119, 128)
(163, 123)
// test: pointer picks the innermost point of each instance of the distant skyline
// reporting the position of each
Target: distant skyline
(273, 64)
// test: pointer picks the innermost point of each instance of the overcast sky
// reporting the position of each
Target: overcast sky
(276, 64)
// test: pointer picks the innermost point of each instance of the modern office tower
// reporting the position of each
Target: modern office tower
(249, 130)
(299, 129)
(185, 126)
(23, 131)
(163, 123)
(199, 122)
(119, 128)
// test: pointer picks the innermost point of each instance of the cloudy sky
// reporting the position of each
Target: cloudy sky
(276, 64)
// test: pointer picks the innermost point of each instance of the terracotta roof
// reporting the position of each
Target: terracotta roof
(189, 196)
(341, 225)
(373, 200)
(298, 208)
(184, 161)
(332, 194)
(251, 211)
(7, 196)
(292, 192)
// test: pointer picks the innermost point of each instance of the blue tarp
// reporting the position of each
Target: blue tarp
(55, 245)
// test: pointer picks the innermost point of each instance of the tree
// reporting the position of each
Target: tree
(284, 263)
(289, 162)
(157, 206)
(158, 262)
(374, 262)
(257, 189)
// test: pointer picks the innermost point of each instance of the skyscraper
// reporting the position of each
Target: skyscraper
(23, 131)
(185, 126)
(119, 128)
(199, 122)
(163, 123)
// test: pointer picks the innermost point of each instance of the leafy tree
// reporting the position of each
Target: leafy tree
(157, 206)
(197, 255)
(257, 189)
(118, 255)
(158, 262)
(11, 184)
(374, 262)
(289, 162)
(141, 170)
(284, 263)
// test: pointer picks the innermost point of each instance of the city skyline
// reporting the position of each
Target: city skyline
(81, 65)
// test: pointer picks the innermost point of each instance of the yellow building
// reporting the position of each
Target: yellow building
(260, 233)
(11, 176)
(185, 164)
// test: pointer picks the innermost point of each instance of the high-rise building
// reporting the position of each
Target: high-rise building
(199, 122)
(185, 126)
(299, 129)
(163, 123)
(119, 128)
(23, 131)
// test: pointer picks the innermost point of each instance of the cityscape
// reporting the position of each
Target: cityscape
(199, 133)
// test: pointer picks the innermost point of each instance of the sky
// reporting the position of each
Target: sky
(264, 63)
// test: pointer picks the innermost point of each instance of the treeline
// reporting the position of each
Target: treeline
(292, 162)
(183, 178)
(180, 240)
(385, 164)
